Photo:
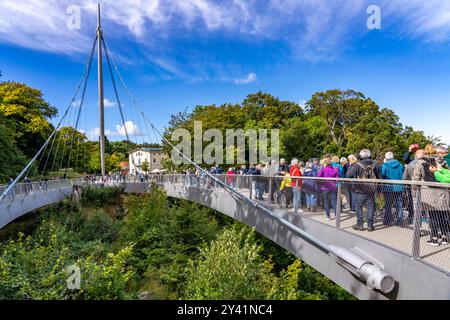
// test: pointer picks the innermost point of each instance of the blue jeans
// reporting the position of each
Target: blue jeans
(365, 199)
(296, 192)
(329, 197)
(311, 200)
(393, 198)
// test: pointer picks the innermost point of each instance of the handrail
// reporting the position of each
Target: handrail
(378, 181)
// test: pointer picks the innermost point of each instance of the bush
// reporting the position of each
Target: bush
(99, 197)
(165, 236)
(36, 269)
(232, 268)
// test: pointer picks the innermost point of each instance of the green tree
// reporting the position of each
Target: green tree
(27, 115)
(112, 162)
(165, 236)
(257, 111)
(231, 268)
(11, 158)
(145, 166)
(68, 145)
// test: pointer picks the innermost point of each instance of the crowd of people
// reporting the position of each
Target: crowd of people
(311, 186)
(295, 181)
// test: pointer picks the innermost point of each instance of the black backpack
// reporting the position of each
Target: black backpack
(367, 173)
(428, 175)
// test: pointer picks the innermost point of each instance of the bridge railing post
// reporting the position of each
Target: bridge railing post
(251, 186)
(339, 205)
(417, 209)
(270, 196)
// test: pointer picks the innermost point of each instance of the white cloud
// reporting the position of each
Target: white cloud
(310, 29)
(76, 103)
(429, 19)
(109, 104)
(251, 77)
(131, 128)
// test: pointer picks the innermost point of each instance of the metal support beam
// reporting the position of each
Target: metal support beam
(100, 94)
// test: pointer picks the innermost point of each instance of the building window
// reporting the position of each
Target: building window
(154, 160)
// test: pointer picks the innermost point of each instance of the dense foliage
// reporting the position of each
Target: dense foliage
(172, 249)
(335, 121)
(232, 262)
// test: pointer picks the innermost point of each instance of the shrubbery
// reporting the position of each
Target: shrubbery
(171, 248)
(232, 268)
(99, 197)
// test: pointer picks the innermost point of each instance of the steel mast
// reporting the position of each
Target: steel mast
(100, 94)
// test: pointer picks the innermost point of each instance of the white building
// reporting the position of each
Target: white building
(153, 156)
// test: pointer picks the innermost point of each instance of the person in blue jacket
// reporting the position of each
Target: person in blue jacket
(393, 193)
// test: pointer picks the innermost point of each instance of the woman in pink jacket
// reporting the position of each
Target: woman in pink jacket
(328, 188)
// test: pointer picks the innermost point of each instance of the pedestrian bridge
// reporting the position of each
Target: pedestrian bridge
(392, 262)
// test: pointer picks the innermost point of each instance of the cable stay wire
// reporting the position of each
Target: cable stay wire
(83, 95)
(117, 96)
(122, 82)
(304, 235)
(44, 146)
(84, 79)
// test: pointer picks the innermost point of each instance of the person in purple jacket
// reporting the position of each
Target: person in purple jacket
(329, 187)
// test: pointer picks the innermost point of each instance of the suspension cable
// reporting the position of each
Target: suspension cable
(117, 96)
(83, 95)
(44, 147)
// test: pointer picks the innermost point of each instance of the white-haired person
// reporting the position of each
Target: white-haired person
(295, 174)
(392, 169)
(364, 170)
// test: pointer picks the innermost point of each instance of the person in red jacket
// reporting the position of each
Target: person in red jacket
(296, 184)
(231, 177)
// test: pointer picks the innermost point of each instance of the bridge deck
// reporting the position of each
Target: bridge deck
(394, 237)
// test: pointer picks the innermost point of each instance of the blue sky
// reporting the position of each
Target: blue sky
(178, 54)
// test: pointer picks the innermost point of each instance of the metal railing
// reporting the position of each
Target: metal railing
(407, 216)
(21, 190)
